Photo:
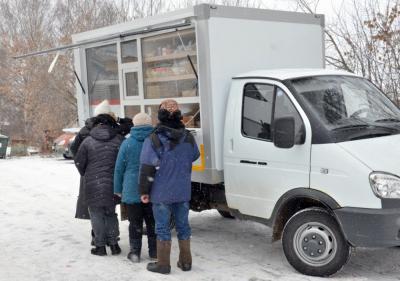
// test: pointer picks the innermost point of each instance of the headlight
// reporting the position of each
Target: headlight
(385, 185)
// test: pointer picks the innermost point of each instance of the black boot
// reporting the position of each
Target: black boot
(99, 251)
(152, 243)
(163, 265)
(136, 248)
(115, 249)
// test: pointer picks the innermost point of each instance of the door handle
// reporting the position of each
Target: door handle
(248, 162)
(253, 162)
(231, 141)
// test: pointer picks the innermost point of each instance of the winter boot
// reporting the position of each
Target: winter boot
(99, 251)
(115, 249)
(136, 248)
(163, 265)
(152, 243)
(185, 257)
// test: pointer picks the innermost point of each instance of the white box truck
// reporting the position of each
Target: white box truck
(307, 151)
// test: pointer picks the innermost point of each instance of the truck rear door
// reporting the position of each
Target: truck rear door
(256, 172)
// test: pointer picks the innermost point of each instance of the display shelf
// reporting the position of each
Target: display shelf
(170, 56)
(170, 78)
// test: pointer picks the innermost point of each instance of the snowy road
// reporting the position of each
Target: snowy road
(40, 239)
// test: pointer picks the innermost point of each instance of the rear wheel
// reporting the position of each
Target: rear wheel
(226, 214)
(314, 243)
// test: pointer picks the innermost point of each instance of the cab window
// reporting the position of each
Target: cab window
(262, 103)
(257, 111)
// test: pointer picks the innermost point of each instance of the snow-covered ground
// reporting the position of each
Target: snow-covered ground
(41, 240)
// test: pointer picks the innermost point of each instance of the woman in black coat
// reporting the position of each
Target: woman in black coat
(95, 161)
(123, 127)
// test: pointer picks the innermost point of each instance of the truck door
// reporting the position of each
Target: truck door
(256, 172)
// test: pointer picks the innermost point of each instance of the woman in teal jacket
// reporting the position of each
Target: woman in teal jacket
(126, 185)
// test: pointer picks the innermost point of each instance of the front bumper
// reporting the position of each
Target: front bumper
(370, 227)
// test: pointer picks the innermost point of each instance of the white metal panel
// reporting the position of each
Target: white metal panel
(383, 153)
(208, 173)
(238, 46)
(343, 177)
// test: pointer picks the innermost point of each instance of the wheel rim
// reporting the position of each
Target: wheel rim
(315, 244)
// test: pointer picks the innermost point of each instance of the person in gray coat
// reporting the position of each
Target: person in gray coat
(95, 161)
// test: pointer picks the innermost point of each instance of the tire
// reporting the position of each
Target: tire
(226, 214)
(314, 244)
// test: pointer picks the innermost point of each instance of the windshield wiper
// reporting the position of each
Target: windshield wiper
(352, 126)
(364, 126)
(369, 135)
(367, 131)
(384, 120)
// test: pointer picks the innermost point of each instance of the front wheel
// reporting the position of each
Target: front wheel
(314, 243)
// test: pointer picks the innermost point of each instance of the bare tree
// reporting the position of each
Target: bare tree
(45, 101)
(364, 39)
(144, 8)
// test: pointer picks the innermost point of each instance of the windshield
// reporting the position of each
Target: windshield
(347, 102)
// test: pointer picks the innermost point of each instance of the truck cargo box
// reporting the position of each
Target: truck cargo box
(191, 55)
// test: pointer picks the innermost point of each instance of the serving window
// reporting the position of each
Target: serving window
(102, 76)
(168, 62)
(148, 70)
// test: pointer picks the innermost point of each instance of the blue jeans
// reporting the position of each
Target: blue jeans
(162, 215)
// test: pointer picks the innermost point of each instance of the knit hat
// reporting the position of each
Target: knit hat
(141, 119)
(102, 108)
(170, 105)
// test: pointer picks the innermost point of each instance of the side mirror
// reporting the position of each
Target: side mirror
(283, 132)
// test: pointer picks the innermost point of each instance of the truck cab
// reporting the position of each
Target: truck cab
(312, 153)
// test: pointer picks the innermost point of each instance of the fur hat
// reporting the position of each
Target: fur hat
(141, 119)
(102, 108)
(170, 105)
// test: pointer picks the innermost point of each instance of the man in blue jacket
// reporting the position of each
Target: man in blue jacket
(126, 177)
(165, 180)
